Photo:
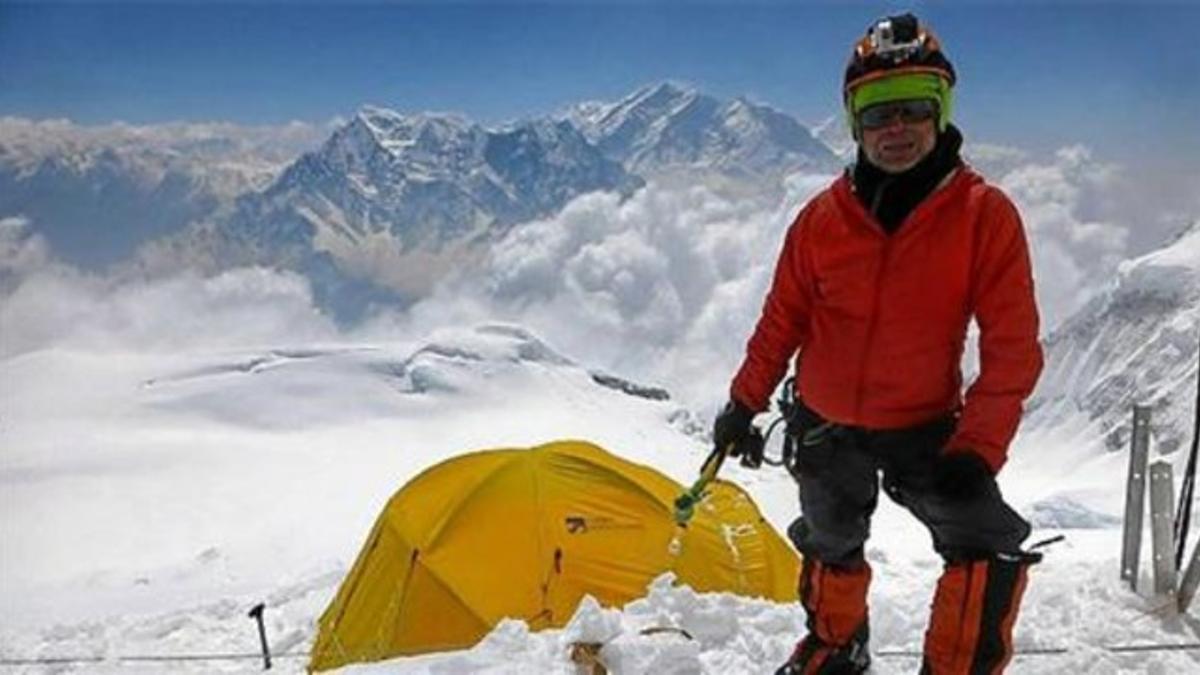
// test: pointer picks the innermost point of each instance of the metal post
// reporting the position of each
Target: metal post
(1135, 494)
(1191, 581)
(257, 614)
(1162, 528)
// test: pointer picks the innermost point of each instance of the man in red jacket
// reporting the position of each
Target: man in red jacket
(878, 278)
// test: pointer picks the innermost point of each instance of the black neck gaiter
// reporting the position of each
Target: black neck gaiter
(890, 197)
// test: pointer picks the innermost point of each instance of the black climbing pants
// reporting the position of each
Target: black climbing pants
(839, 471)
(979, 593)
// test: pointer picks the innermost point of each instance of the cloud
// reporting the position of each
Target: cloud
(24, 140)
(667, 285)
(44, 304)
(1074, 252)
(663, 287)
(21, 251)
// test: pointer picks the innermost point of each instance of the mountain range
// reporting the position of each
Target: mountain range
(396, 199)
(667, 128)
(388, 201)
(97, 193)
(382, 206)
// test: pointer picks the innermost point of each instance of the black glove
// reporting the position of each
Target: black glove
(960, 474)
(732, 426)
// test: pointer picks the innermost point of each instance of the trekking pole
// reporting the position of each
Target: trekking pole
(685, 504)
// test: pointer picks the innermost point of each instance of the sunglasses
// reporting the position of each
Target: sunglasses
(913, 111)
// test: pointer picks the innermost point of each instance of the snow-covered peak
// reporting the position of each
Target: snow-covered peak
(375, 114)
(379, 150)
(398, 133)
(585, 115)
(658, 95)
(1170, 274)
(741, 114)
(834, 134)
(667, 127)
(747, 117)
(751, 112)
(351, 147)
(1136, 343)
(644, 106)
(1182, 251)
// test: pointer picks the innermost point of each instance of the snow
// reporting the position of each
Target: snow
(1170, 271)
(1135, 343)
(152, 497)
(668, 128)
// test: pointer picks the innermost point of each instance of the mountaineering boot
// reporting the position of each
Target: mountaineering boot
(974, 609)
(814, 657)
(835, 600)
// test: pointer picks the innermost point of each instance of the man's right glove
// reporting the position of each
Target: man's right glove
(732, 430)
(960, 475)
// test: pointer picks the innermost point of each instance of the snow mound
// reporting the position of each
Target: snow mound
(672, 630)
(1064, 513)
(230, 387)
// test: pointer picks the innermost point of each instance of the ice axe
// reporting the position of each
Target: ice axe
(750, 449)
(685, 504)
(751, 458)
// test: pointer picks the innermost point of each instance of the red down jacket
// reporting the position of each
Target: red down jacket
(877, 323)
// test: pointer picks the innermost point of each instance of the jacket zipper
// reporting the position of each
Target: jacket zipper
(872, 322)
(874, 224)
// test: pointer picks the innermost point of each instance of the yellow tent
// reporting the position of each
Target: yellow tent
(525, 533)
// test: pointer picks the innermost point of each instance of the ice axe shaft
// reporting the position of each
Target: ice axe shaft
(685, 504)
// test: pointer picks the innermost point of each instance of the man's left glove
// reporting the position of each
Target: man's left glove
(732, 430)
(960, 474)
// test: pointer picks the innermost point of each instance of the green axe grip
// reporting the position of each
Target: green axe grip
(685, 504)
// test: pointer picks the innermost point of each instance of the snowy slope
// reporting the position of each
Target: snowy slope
(151, 498)
(146, 482)
(1137, 342)
(832, 132)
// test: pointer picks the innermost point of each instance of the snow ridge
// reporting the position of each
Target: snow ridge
(1137, 342)
(668, 127)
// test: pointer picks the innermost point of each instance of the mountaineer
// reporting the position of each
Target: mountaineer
(872, 294)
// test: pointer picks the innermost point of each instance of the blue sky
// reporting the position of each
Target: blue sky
(1121, 78)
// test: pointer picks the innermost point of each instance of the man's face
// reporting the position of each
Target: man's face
(898, 136)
